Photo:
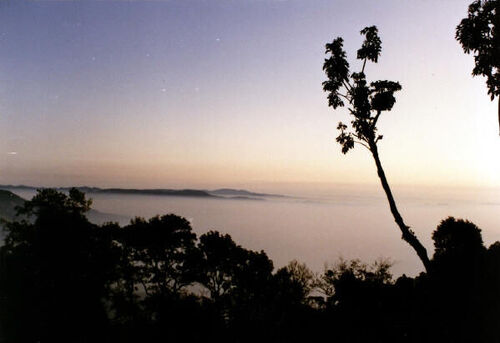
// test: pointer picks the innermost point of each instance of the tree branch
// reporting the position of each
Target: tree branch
(407, 234)
(345, 97)
(347, 85)
(360, 138)
(375, 119)
(363, 144)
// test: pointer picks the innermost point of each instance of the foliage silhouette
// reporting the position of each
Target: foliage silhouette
(459, 282)
(220, 259)
(55, 271)
(302, 278)
(365, 102)
(65, 279)
(161, 248)
(479, 33)
(454, 238)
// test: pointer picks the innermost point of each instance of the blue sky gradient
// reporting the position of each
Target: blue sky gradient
(207, 93)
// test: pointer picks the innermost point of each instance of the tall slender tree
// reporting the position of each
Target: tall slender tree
(479, 33)
(366, 102)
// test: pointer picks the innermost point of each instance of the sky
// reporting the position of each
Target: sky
(227, 93)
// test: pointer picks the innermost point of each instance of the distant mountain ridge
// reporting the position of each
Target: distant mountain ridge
(241, 192)
(86, 189)
(221, 193)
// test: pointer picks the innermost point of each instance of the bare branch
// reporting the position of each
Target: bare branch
(360, 138)
(347, 85)
(345, 97)
(363, 144)
(376, 119)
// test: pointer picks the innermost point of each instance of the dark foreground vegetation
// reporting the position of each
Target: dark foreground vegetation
(63, 279)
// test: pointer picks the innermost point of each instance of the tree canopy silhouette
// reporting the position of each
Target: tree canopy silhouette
(366, 102)
(64, 279)
(219, 262)
(456, 237)
(162, 247)
(479, 33)
(56, 268)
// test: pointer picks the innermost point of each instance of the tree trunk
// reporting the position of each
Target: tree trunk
(407, 234)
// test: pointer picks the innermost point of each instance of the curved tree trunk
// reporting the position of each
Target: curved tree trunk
(407, 234)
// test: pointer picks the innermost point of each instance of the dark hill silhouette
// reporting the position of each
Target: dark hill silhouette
(241, 192)
(91, 190)
(8, 203)
(221, 193)
(168, 192)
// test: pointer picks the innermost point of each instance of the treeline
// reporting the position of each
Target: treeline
(64, 279)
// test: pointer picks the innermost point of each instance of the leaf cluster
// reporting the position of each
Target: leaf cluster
(365, 101)
(479, 33)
